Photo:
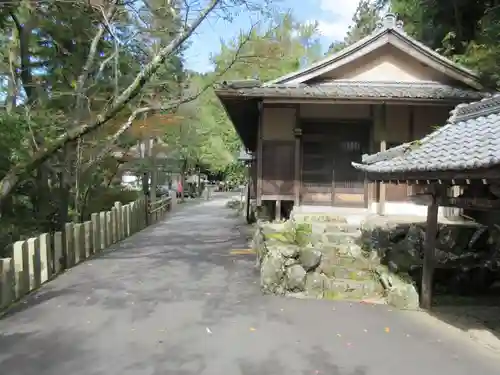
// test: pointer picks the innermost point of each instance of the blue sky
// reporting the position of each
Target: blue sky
(333, 17)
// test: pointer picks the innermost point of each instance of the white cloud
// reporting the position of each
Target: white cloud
(336, 18)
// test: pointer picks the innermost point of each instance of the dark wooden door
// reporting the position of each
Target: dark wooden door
(349, 183)
(328, 149)
(317, 170)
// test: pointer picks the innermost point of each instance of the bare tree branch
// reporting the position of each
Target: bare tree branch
(13, 177)
(113, 139)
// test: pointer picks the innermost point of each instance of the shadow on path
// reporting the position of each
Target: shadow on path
(172, 300)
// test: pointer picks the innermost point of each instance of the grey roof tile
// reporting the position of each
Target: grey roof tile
(470, 140)
(354, 90)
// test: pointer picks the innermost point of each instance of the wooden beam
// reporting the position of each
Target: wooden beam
(277, 197)
(347, 101)
(449, 177)
(429, 254)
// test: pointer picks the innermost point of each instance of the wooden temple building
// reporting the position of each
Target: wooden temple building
(464, 153)
(306, 128)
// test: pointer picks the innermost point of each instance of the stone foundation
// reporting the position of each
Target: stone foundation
(316, 259)
(380, 259)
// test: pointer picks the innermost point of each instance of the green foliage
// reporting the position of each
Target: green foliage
(467, 31)
(104, 198)
(293, 233)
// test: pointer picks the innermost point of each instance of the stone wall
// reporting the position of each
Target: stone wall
(39, 259)
(324, 259)
(467, 253)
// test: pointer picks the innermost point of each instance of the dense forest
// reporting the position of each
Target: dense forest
(85, 83)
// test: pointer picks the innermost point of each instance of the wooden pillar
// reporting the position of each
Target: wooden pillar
(412, 135)
(382, 129)
(370, 187)
(259, 158)
(247, 207)
(297, 182)
(277, 213)
(429, 253)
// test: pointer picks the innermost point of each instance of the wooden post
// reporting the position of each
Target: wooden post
(259, 157)
(382, 119)
(247, 206)
(297, 181)
(429, 253)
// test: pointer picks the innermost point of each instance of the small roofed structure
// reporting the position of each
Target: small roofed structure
(463, 154)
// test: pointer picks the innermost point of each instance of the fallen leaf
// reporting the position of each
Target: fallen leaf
(387, 329)
(339, 335)
(407, 335)
(208, 331)
(252, 329)
(365, 330)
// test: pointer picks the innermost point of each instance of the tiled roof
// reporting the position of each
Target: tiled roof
(353, 90)
(469, 140)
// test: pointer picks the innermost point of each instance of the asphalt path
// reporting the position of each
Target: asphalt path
(172, 299)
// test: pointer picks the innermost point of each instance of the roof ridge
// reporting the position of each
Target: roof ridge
(389, 24)
(468, 111)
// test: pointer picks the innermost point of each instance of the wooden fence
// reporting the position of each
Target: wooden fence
(39, 259)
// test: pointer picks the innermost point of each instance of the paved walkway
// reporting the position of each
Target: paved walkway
(172, 301)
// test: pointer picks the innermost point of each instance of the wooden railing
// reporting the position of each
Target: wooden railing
(158, 208)
(39, 259)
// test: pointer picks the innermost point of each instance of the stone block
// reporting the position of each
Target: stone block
(58, 261)
(103, 235)
(96, 232)
(400, 293)
(133, 217)
(69, 245)
(310, 258)
(109, 229)
(35, 263)
(88, 240)
(295, 278)
(315, 284)
(114, 225)
(126, 220)
(403, 297)
(7, 282)
(119, 221)
(20, 258)
(79, 244)
(352, 289)
(45, 257)
(272, 273)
